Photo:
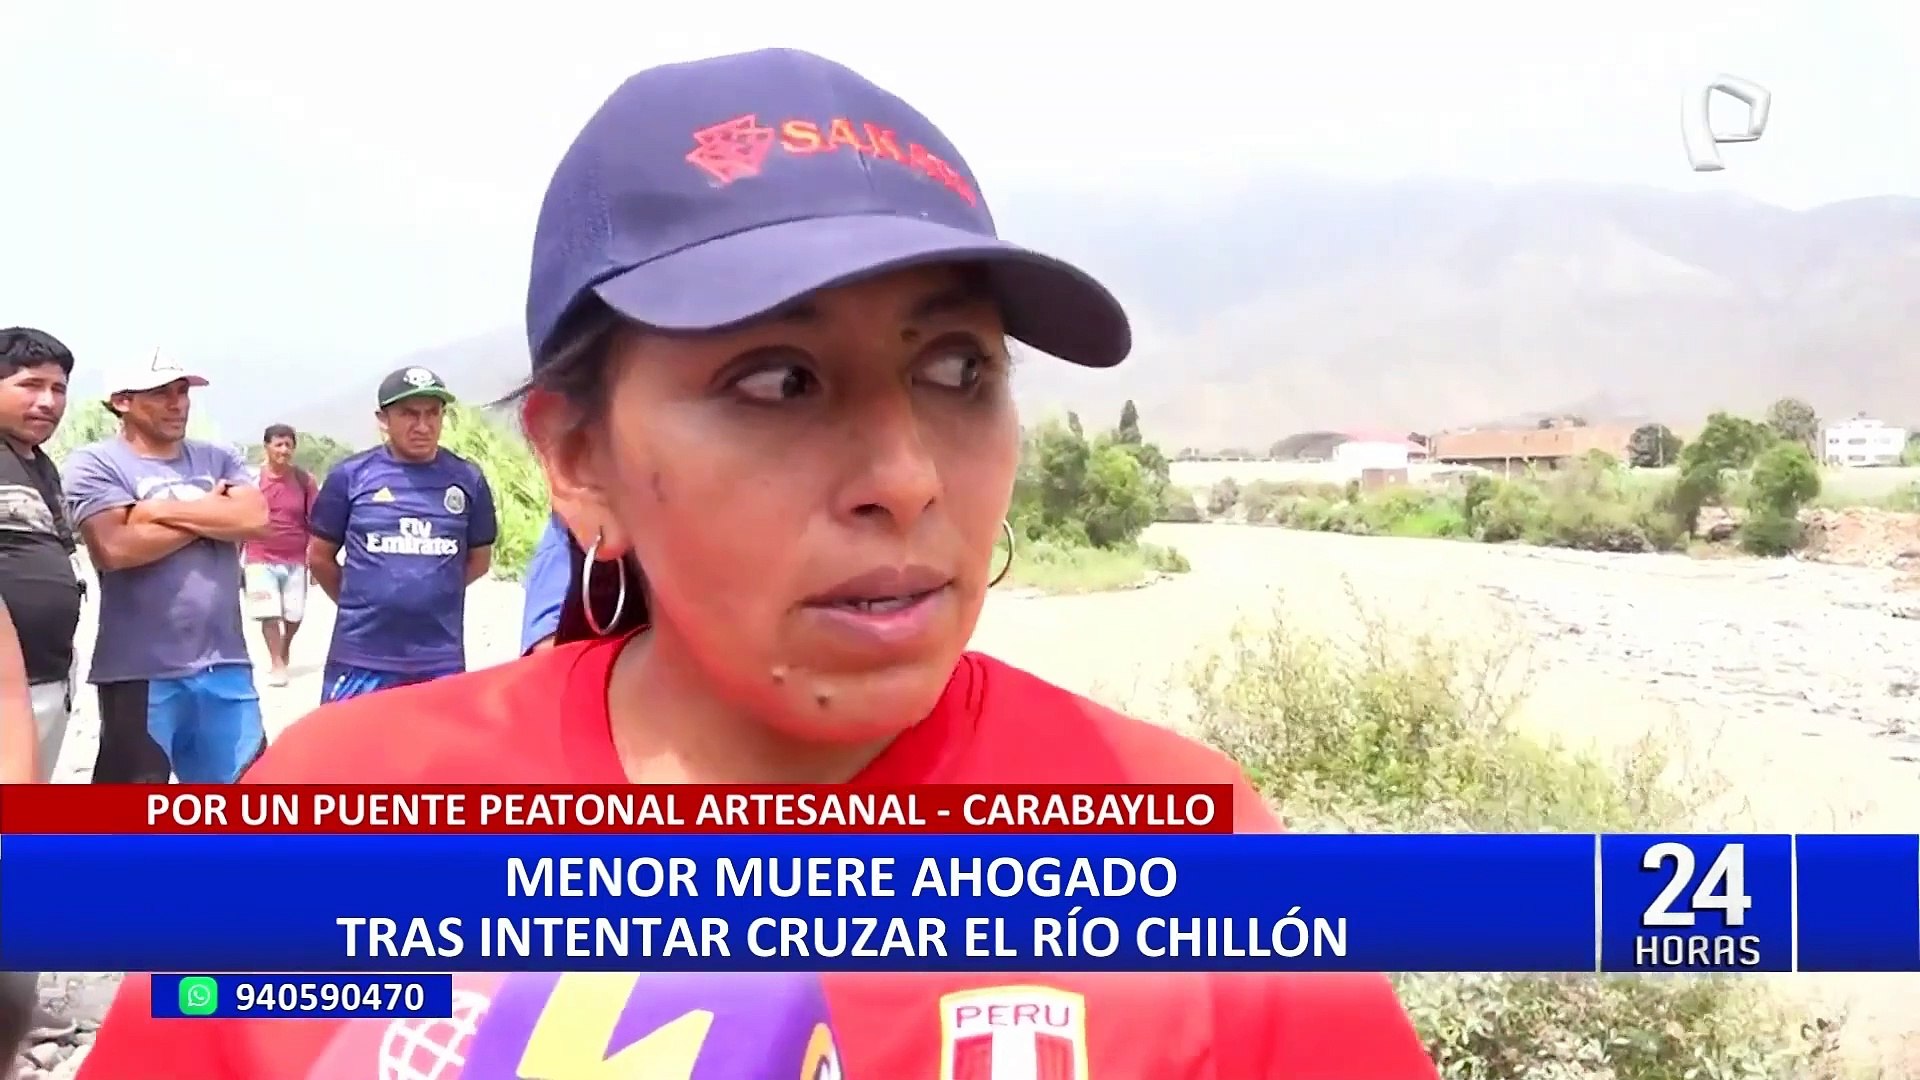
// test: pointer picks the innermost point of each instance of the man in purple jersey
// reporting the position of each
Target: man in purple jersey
(417, 524)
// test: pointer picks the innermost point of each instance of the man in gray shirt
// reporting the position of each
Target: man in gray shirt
(162, 516)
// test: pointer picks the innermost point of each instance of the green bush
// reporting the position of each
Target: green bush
(318, 454)
(313, 452)
(1224, 496)
(1118, 499)
(1408, 731)
(1262, 499)
(1495, 1027)
(1653, 446)
(1406, 511)
(1592, 506)
(1164, 559)
(1306, 512)
(1769, 532)
(86, 422)
(1178, 504)
(1079, 506)
(1785, 478)
(519, 486)
(1727, 444)
(1058, 568)
(1906, 499)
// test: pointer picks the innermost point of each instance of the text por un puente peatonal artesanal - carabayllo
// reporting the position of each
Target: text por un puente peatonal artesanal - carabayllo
(969, 885)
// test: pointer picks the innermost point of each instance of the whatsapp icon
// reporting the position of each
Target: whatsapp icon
(199, 996)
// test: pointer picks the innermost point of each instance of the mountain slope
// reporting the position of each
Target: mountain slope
(1484, 302)
(1305, 304)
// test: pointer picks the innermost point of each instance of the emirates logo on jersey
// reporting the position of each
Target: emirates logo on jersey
(1013, 1033)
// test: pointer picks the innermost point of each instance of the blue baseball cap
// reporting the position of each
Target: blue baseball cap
(707, 194)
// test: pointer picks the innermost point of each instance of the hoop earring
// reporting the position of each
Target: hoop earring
(586, 591)
(1005, 527)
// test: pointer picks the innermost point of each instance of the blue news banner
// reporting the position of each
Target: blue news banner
(440, 903)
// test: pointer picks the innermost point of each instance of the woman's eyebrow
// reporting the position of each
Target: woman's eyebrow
(940, 302)
(947, 301)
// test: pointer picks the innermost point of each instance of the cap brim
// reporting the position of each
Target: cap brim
(426, 391)
(190, 380)
(1048, 304)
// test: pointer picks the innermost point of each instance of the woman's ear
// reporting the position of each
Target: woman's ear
(580, 477)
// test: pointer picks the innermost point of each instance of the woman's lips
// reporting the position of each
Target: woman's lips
(897, 623)
(884, 584)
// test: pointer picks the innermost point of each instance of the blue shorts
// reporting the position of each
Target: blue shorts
(342, 681)
(207, 724)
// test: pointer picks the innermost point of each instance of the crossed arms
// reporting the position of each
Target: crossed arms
(123, 537)
(122, 531)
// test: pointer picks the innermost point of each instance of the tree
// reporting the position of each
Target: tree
(1074, 491)
(1129, 429)
(1784, 479)
(1119, 501)
(1073, 425)
(1653, 446)
(1178, 504)
(1153, 460)
(1794, 420)
(1056, 459)
(1727, 442)
(312, 451)
(86, 423)
(521, 502)
(91, 420)
(318, 453)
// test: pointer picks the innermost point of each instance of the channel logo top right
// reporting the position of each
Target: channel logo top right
(1696, 119)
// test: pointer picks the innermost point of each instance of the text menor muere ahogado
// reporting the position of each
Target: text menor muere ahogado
(347, 809)
(1073, 932)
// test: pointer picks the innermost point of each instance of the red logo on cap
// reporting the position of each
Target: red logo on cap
(736, 149)
(732, 150)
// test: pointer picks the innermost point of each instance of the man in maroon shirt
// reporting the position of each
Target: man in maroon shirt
(276, 564)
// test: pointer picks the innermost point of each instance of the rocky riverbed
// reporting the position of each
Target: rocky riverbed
(72, 1004)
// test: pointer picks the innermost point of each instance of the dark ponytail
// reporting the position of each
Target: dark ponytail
(575, 371)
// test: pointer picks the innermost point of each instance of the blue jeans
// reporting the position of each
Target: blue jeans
(207, 725)
(339, 682)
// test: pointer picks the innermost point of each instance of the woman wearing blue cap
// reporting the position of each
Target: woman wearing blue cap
(768, 317)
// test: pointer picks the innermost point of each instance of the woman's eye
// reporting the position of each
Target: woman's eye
(958, 369)
(777, 383)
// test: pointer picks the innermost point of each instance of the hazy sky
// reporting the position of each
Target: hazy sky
(291, 185)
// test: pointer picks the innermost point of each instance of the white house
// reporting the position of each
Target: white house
(1377, 451)
(1863, 441)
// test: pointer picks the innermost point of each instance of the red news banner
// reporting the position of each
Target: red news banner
(313, 808)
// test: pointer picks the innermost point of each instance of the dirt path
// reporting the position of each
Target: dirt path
(1790, 680)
